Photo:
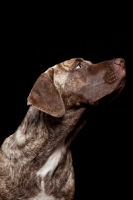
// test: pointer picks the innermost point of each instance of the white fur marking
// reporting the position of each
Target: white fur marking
(52, 161)
(49, 166)
(20, 138)
(42, 196)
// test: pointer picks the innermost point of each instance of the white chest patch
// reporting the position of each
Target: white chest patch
(42, 196)
(49, 166)
(52, 161)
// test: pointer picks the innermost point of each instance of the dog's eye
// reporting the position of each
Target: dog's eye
(79, 66)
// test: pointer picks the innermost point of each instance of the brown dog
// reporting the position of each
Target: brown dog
(35, 162)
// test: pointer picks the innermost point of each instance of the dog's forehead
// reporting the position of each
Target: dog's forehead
(69, 64)
(74, 61)
(88, 62)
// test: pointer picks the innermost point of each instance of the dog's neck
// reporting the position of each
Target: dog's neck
(39, 134)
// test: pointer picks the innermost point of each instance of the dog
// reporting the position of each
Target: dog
(35, 161)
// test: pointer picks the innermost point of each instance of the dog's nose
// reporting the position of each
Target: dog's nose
(120, 62)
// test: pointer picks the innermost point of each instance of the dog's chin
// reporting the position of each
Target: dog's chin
(117, 91)
(111, 97)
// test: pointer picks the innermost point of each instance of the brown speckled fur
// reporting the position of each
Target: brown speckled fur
(59, 100)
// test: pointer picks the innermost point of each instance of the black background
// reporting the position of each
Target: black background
(37, 37)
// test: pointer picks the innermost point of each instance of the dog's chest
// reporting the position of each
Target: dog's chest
(51, 162)
(49, 167)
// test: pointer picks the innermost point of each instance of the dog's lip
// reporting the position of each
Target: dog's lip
(121, 68)
(123, 71)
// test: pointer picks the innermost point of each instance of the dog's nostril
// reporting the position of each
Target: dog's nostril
(120, 62)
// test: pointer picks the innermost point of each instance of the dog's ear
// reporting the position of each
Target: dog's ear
(45, 96)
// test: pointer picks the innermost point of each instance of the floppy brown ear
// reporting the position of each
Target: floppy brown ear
(45, 97)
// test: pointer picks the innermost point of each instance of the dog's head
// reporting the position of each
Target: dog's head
(75, 83)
